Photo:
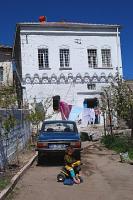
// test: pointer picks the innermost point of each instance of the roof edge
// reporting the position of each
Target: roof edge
(68, 24)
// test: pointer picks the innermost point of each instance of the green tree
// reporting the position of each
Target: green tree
(107, 108)
(39, 111)
(8, 124)
(8, 97)
(123, 102)
(118, 98)
(36, 117)
(8, 102)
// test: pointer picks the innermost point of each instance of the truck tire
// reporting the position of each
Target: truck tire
(40, 159)
(78, 155)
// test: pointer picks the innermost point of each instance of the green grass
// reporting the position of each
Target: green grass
(118, 144)
(4, 182)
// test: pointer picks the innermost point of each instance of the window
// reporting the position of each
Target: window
(43, 58)
(92, 58)
(1, 73)
(91, 86)
(106, 57)
(64, 58)
(58, 127)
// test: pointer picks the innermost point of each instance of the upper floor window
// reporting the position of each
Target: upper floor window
(92, 58)
(64, 58)
(106, 57)
(43, 58)
(1, 73)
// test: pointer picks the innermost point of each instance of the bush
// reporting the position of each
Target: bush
(3, 183)
(118, 144)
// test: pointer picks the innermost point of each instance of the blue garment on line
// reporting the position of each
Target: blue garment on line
(75, 111)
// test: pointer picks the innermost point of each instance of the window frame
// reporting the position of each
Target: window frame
(91, 86)
(43, 58)
(92, 58)
(106, 58)
(64, 58)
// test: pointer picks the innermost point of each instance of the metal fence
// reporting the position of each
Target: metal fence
(18, 136)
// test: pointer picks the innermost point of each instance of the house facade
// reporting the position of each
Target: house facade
(72, 60)
(6, 75)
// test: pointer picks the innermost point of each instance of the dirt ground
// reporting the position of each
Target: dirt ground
(105, 178)
(14, 166)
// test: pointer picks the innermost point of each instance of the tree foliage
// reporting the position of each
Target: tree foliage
(8, 101)
(7, 97)
(118, 98)
(9, 123)
(123, 100)
(36, 117)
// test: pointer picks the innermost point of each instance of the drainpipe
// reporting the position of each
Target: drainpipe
(117, 42)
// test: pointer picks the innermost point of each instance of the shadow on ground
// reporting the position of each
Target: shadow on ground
(52, 161)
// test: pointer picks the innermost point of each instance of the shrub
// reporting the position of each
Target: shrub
(118, 144)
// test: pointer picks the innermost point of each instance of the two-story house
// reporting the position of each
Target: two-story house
(72, 60)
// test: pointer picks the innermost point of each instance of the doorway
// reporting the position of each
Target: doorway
(91, 103)
(92, 106)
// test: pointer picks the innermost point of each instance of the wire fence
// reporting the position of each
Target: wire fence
(17, 138)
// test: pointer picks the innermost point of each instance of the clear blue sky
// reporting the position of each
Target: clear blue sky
(89, 11)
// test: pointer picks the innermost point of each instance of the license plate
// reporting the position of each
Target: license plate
(57, 146)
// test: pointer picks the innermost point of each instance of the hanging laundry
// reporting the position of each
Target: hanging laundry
(65, 110)
(85, 116)
(97, 115)
(92, 116)
(88, 116)
(75, 112)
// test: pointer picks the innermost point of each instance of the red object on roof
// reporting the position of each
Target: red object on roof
(42, 19)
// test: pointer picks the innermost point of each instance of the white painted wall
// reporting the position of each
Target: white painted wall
(78, 53)
(31, 40)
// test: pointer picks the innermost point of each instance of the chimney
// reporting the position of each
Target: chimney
(42, 19)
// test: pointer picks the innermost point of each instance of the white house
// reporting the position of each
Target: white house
(72, 60)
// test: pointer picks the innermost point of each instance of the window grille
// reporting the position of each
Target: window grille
(43, 58)
(91, 86)
(64, 58)
(92, 58)
(1, 73)
(106, 57)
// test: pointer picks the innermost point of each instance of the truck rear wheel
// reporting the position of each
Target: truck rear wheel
(40, 159)
(78, 155)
